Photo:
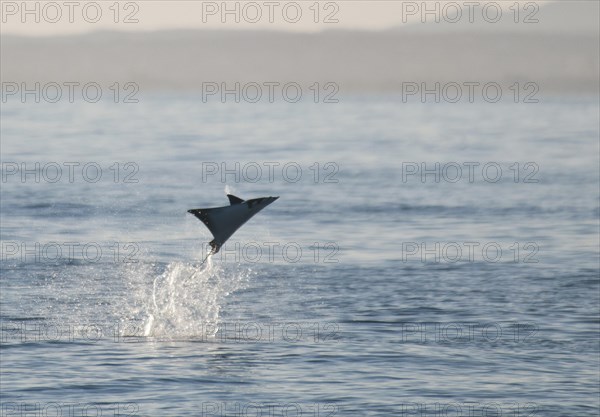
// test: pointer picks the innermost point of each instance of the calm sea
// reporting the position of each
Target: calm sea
(423, 259)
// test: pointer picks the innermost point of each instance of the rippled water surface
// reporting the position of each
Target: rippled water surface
(377, 284)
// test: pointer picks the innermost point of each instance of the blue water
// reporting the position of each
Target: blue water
(363, 291)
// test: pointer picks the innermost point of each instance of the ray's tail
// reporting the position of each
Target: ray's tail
(214, 250)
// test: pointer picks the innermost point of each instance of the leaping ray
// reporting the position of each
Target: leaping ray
(224, 221)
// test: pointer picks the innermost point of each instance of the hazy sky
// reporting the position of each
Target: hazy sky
(73, 16)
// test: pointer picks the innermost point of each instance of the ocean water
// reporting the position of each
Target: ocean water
(423, 259)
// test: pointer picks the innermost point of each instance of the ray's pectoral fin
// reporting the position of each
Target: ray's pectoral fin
(234, 200)
(205, 216)
(202, 215)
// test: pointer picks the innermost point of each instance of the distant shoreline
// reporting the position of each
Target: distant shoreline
(361, 62)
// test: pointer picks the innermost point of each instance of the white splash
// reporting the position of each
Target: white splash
(229, 189)
(185, 301)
